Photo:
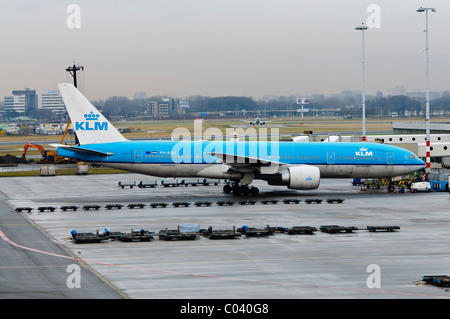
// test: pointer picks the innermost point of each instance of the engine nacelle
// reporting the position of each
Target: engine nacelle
(301, 177)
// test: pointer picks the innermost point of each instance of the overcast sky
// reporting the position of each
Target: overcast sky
(222, 47)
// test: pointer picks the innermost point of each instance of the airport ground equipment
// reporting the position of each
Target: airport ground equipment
(428, 186)
(145, 185)
(47, 156)
(289, 201)
(298, 230)
(335, 200)
(154, 205)
(89, 207)
(170, 184)
(439, 186)
(221, 233)
(198, 204)
(276, 229)
(21, 209)
(82, 238)
(111, 206)
(310, 201)
(225, 203)
(269, 201)
(69, 207)
(140, 205)
(122, 185)
(177, 204)
(112, 235)
(203, 182)
(254, 232)
(46, 208)
(247, 202)
(141, 235)
(385, 228)
(331, 229)
(175, 234)
(437, 280)
(207, 182)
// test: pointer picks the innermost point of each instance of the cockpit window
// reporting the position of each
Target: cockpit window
(413, 156)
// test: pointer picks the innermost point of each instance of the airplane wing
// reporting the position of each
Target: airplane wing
(249, 164)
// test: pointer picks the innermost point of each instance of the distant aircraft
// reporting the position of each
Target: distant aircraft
(257, 122)
(295, 165)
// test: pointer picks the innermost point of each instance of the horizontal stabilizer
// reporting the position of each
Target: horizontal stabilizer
(81, 150)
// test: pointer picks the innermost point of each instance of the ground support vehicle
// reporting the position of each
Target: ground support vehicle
(198, 204)
(296, 230)
(174, 234)
(154, 205)
(221, 233)
(151, 185)
(89, 207)
(48, 208)
(420, 187)
(337, 229)
(82, 238)
(437, 280)
(289, 201)
(309, 201)
(177, 204)
(335, 200)
(111, 206)
(140, 205)
(385, 228)
(247, 202)
(170, 184)
(269, 201)
(69, 207)
(126, 185)
(225, 202)
(276, 229)
(254, 232)
(141, 235)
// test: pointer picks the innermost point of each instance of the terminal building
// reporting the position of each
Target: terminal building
(25, 101)
(167, 107)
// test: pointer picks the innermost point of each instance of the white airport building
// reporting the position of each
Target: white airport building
(27, 100)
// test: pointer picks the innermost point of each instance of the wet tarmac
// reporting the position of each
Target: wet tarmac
(360, 264)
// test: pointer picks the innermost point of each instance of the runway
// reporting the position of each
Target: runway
(280, 266)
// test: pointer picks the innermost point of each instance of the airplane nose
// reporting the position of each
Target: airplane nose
(421, 163)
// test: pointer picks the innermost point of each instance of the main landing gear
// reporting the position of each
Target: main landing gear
(240, 189)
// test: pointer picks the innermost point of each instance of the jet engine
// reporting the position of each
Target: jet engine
(301, 177)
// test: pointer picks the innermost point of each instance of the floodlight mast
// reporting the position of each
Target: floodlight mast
(427, 93)
(363, 102)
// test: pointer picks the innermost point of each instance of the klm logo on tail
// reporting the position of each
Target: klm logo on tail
(91, 123)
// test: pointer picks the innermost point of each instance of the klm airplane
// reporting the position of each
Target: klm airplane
(295, 165)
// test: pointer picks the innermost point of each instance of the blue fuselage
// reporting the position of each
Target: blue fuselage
(194, 158)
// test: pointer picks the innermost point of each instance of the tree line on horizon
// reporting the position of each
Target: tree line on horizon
(400, 105)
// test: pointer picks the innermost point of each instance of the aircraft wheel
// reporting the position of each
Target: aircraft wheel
(243, 190)
(227, 189)
(254, 191)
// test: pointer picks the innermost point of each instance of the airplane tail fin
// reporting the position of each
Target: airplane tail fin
(90, 126)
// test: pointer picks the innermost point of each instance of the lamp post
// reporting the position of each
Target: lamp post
(363, 102)
(427, 93)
